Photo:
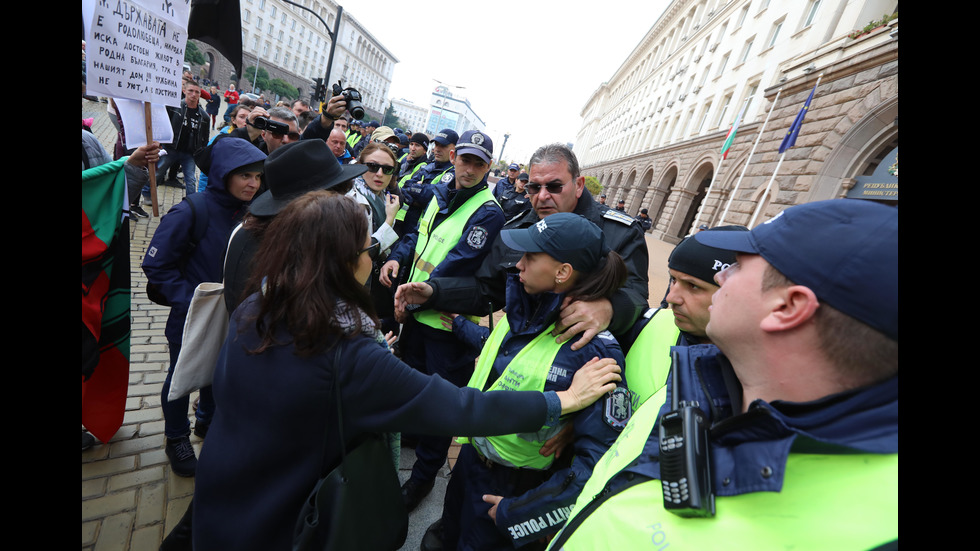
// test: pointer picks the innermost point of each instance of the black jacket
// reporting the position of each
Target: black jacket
(623, 234)
(201, 137)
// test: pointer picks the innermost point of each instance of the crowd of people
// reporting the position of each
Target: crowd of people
(364, 256)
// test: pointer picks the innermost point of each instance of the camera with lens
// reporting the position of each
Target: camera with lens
(263, 123)
(353, 99)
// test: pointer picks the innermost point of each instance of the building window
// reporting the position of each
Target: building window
(774, 33)
(723, 111)
(724, 62)
(745, 51)
(704, 117)
(741, 16)
(811, 12)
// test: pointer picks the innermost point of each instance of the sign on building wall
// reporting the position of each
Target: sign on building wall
(882, 185)
(440, 118)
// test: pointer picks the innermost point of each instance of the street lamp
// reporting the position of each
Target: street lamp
(333, 37)
(501, 157)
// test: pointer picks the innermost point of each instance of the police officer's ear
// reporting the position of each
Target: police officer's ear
(564, 273)
(579, 185)
(790, 307)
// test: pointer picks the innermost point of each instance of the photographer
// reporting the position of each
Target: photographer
(267, 130)
(335, 108)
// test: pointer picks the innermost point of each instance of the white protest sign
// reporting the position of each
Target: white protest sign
(135, 49)
(133, 115)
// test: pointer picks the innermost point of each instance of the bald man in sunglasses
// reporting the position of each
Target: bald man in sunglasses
(555, 185)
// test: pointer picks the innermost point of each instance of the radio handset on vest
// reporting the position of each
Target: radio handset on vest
(685, 467)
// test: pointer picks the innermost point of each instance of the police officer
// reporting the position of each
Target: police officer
(355, 133)
(508, 183)
(514, 201)
(501, 483)
(800, 391)
(555, 185)
(369, 129)
(645, 220)
(452, 238)
(415, 192)
(681, 318)
(418, 148)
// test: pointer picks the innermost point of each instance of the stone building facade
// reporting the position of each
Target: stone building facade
(849, 129)
(292, 44)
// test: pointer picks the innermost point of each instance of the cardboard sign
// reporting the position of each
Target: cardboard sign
(135, 49)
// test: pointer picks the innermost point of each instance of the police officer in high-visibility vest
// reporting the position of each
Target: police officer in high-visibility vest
(368, 137)
(798, 400)
(501, 483)
(418, 148)
(692, 268)
(416, 192)
(356, 133)
(452, 237)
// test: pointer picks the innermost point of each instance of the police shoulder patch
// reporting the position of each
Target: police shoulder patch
(477, 237)
(618, 408)
(448, 177)
(619, 216)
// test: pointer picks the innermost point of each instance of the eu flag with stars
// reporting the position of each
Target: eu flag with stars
(794, 130)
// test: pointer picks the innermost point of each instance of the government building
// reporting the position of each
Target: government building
(653, 134)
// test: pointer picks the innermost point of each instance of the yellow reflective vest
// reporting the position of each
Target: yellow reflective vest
(826, 502)
(527, 371)
(434, 244)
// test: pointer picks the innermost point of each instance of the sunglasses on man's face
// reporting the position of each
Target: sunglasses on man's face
(293, 136)
(375, 167)
(553, 188)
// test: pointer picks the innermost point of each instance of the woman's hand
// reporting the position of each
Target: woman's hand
(596, 378)
(391, 338)
(392, 205)
(413, 293)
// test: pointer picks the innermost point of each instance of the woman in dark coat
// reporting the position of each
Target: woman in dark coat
(273, 383)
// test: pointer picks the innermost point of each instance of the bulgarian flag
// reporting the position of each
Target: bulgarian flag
(730, 138)
(105, 299)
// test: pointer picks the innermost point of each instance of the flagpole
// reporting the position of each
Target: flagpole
(734, 128)
(791, 135)
(744, 168)
(762, 199)
(697, 218)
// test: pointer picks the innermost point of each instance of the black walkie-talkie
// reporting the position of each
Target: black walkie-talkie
(685, 466)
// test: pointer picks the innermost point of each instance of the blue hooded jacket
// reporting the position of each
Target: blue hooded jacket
(171, 262)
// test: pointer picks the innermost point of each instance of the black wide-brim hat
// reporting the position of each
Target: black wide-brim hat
(297, 168)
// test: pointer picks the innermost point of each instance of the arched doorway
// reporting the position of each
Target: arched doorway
(703, 177)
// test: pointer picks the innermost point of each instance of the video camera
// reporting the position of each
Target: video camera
(353, 99)
(263, 123)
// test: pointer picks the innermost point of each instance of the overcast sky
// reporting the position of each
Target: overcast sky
(528, 66)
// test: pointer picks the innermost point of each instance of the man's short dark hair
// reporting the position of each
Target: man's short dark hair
(859, 351)
(553, 153)
(283, 113)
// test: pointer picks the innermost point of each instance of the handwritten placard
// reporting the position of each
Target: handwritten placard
(135, 49)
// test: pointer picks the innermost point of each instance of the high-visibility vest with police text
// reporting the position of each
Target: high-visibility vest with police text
(528, 370)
